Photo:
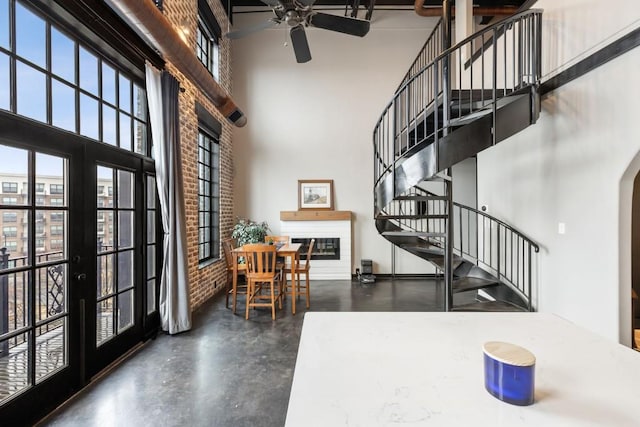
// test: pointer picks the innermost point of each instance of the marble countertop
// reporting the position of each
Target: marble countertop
(426, 369)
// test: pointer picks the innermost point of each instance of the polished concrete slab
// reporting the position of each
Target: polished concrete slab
(228, 371)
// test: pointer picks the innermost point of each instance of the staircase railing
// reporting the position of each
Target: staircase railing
(481, 74)
(478, 237)
(431, 48)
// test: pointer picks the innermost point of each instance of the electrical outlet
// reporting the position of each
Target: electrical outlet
(561, 228)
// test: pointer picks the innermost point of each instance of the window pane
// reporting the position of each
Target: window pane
(139, 103)
(88, 117)
(51, 354)
(88, 71)
(106, 271)
(105, 238)
(151, 192)
(31, 92)
(51, 291)
(125, 310)
(151, 296)
(125, 270)
(151, 227)
(104, 320)
(63, 58)
(63, 103)
(30, 36)
(125, 229)
(125, 189)
(109, 125)
(20, 367)
(125, 94)
(108, 83)
(151, 261)
(53, 170)
(4, 81)
(125, 131)
(17, 247)
(4, 24)
(140, 133)
(105, 180)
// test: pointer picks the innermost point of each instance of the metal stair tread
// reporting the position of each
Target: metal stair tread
(412, 216)
(489, 306)
(465, 284)
(412, 233)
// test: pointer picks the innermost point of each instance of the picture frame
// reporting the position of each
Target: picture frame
(315, 194)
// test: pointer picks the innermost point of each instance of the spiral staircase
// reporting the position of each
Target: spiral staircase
(451, 105)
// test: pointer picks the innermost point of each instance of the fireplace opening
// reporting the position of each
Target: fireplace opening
(324, 248)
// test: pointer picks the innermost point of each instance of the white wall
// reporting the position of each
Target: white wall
(315, 120)
(569, 168)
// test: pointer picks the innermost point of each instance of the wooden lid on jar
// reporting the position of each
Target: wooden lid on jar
(508, 353)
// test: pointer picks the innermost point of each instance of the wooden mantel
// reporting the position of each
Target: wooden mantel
(311, 215)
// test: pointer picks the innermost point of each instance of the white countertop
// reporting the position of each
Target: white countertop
(426, 369)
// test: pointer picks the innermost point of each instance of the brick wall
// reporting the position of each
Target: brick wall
(207, 281)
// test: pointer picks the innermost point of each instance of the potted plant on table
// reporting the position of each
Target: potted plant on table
(247, 231)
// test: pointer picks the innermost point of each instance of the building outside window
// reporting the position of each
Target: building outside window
(10, 200)
(57, 216)
(57, 201)
(10, 231)
(57, 243)
(57, 230)
(9, 217)
(208, 197)
(9, 187)
(39, 187)
(207, 37)
(11, 246)
(56, 188)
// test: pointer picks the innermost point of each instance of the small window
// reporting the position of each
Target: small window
(57, 230)
(10, 200)
(56, 243)
(12, 247)
(39, 243)
(207, 39)
(56, 201)
(9, 187)
(57, 216)
(10, 231)
(56, 188)
(9, 217)
(39, 187)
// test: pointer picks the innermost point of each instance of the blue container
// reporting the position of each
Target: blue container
(509, 372)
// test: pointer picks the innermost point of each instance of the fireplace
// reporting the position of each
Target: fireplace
(331, 258)
(324, 248)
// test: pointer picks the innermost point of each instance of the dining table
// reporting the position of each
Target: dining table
(287, 250)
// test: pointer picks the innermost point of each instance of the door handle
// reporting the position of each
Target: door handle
(79, 277)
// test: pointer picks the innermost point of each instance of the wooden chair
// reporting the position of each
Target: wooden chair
(302, 267)
(228, 246)
(262, 274)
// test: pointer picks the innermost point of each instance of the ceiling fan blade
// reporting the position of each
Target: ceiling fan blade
(341, 24)
(307, 2)
(271, 3)
(249, 30)
(300, 44)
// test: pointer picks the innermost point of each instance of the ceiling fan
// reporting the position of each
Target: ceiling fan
(298, 14)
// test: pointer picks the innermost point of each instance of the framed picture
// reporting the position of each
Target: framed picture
(316, 194)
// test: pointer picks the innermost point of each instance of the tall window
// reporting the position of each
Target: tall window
(208, 197)
(49, 76)
(207, 37)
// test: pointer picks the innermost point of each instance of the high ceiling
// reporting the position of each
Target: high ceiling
(480, 3)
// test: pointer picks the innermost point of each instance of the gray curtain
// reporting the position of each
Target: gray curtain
(162, 94)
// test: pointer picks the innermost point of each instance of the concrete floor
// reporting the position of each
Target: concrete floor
(228, 371)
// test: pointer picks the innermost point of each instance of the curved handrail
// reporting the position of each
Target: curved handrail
(488, 242)
(524, 237)
(411, 117)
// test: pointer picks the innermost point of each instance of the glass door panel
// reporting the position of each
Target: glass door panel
(115, 263)
(34, 266)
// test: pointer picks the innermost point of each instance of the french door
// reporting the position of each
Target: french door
(77, 264)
